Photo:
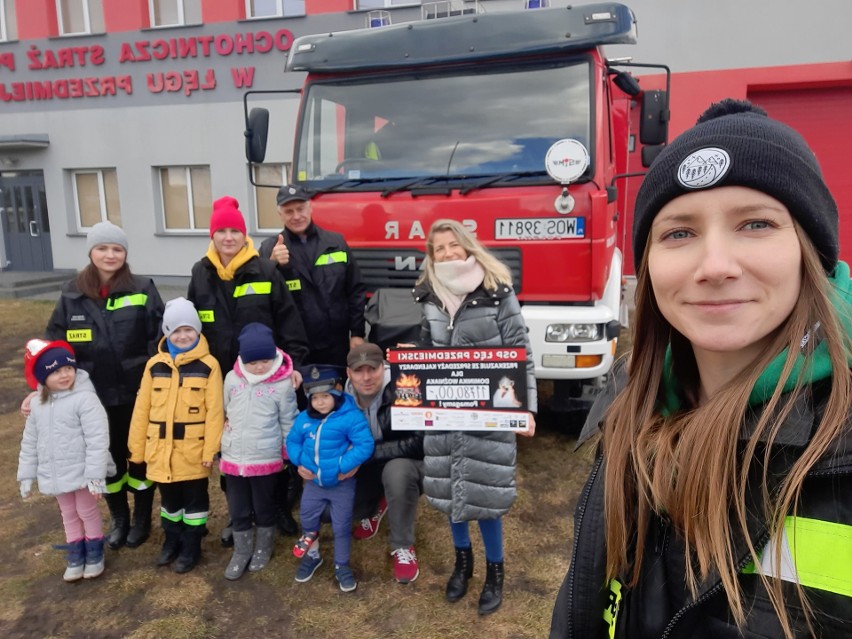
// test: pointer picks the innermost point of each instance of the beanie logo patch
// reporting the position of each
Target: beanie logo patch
(703, 168)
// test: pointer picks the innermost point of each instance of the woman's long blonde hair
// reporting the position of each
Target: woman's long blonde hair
(496, 272)
(689, 466)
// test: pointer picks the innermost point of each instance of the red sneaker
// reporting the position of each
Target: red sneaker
(405, 566)
(369, 527)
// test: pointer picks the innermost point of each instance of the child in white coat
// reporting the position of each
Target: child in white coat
(65, 447)
(260, 406)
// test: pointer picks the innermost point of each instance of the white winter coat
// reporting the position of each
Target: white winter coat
(66, 439)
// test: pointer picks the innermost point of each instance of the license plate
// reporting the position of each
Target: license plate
(539, 228)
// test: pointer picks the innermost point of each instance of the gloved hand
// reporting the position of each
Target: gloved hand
(26, 488)
(96, 486)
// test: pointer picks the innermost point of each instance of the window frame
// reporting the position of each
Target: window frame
(181, 10)
(286, 168)
(87, 18)
(387, 4)
(3, 30)
(192, 228)
(279, 11)
(102, 196)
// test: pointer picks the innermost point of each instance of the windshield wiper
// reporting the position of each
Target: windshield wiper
(348, 182)
(411, 184)
(493, 179)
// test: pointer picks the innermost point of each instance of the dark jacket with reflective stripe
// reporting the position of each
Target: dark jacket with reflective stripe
(660, 606)
(112, 339)
(226, 307)
(324, 279)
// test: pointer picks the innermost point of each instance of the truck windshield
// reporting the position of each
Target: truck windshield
(455, 124)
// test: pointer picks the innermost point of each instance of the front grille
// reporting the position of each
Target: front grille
(400, 268)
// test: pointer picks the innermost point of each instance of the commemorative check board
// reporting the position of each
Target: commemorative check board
(459, 389)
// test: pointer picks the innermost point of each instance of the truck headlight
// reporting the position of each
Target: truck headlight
(572, 332)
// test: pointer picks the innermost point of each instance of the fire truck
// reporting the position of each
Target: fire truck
(513, 123)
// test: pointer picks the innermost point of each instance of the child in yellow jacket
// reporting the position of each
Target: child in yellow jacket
(176, 430)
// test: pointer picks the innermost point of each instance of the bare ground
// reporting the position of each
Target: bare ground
(134, 599)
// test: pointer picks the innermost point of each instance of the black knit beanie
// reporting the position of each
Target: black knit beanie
(735, 143)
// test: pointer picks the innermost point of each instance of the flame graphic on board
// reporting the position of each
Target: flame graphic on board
(408, 391)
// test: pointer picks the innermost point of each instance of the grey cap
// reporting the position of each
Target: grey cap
(291, 193)
(180, 312)
(105, 233)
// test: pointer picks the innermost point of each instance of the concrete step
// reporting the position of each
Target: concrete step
(18, 284)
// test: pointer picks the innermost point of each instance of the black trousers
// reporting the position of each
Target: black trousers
(252, 495)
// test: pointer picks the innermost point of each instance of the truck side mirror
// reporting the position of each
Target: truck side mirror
(654, 127)
(257, 129)
(650, 153)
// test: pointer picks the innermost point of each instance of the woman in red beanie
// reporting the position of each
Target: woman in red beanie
(231, 287)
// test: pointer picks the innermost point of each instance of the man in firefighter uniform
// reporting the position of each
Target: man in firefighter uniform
(322, 276)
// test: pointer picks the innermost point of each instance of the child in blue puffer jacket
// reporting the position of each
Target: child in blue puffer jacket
(328, 442)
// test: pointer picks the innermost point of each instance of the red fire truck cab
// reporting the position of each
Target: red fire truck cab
(454, 118)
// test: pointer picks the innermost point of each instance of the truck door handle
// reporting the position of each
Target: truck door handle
(33, 228)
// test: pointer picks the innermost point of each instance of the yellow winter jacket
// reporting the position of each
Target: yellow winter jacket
(178, 417)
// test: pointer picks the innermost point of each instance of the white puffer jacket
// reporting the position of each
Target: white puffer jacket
(66, 440)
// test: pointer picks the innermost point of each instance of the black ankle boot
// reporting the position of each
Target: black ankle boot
(120, 514)
(457, 585)
(492, 591)
(143, 501)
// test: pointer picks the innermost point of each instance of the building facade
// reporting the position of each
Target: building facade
(132, 110)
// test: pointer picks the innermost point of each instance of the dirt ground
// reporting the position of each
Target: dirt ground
(135, 599)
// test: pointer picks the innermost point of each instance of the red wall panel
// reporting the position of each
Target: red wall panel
(36, 19)
(222, 10)
(126, 15)
(327, 6)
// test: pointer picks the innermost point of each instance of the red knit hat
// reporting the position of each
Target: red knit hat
(35, 349)
(227, 215)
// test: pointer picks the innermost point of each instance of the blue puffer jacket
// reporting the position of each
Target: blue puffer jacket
(332, 444)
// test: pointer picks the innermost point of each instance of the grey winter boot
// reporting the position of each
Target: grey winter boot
(262, 549)
(94, 558)
(457, 585)
(75, 560)
(143, 500)
(243, 549)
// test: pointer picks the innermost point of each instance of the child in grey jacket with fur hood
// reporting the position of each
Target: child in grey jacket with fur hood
(65, 446)
(260, 406)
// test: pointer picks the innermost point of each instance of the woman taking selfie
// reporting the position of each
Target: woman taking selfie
(720, 502)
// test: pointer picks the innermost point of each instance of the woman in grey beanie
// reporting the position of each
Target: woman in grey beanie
(719, 505)
(112, 318)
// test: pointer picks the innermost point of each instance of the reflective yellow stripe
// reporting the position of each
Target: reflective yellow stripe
(335, 257)
(205, 316)
(294, 285)
(117, 485)
(139, 484)
(816, 553)
(175, 516)
(195, 519)
(79, 335)
(253, 288)
(137, 299)
(610, 613)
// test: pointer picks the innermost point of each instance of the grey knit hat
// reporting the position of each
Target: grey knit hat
(105, 233)
(735, 143)
(180, 312)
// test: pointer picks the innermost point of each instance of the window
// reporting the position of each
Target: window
(79, 16)
(187, 197)
(273, 8)
(96, 197)
(8, 23)
(267, 209)
(383, 4)
(165, 13)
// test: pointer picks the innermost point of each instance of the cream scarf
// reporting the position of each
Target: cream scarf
(454, 280)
